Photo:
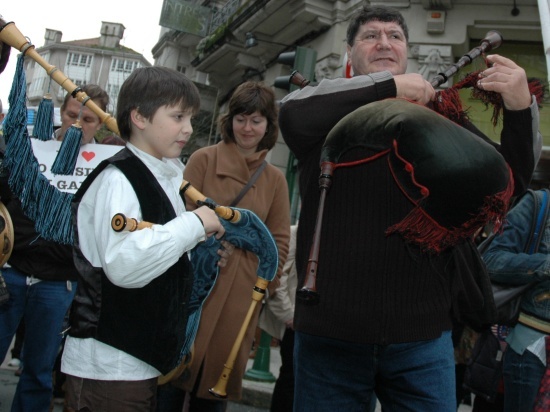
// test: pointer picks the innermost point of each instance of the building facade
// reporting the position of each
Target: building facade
(101, 60)
(210, 47)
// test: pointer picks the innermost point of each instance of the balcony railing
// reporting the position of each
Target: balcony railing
(222, 15)
(232, 15)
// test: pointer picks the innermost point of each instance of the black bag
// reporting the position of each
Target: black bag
(484, 370)
(508, 297)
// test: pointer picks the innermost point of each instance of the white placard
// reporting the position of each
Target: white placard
(89, 157)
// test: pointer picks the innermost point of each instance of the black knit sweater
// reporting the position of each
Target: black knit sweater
(373, 288)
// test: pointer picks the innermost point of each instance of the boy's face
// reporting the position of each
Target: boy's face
(165, 134)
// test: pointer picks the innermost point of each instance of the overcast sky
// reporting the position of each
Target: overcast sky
(80, 20)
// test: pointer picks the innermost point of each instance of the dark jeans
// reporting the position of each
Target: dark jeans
(18, 344)
(43, 306)
(170, 398)
(334, 375)
(522, 376)
(283, 393)
(206, 405)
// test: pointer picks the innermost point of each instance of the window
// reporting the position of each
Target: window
(124, 66)
(79, 60)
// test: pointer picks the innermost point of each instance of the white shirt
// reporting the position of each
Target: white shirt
(129, 259)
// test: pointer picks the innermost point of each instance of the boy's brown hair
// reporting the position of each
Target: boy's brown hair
(149, 88)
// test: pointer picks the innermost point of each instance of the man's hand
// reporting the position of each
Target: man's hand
(509, 80)
(414, 87)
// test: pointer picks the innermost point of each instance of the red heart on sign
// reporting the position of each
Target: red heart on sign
(88, 155)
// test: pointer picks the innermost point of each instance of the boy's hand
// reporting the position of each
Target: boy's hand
(210, 221)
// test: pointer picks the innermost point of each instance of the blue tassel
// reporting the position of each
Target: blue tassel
(65, 160)
(43, 126)
(43, 203)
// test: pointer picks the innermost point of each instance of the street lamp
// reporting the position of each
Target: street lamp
(252, 41)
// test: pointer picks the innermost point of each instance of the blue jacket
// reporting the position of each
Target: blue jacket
(507, 263)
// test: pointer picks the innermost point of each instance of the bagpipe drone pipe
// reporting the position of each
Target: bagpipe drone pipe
(50, 208)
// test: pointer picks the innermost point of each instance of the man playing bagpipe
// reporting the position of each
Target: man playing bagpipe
(394, 255)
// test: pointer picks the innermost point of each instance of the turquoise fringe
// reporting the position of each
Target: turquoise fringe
(65, 161)
(44, 204)
(43, 126)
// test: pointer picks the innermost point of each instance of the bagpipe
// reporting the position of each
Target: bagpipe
(244, 230)
(6, 247)
(51, 208)
(432, 159)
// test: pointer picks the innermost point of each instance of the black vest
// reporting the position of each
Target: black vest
(148, 323)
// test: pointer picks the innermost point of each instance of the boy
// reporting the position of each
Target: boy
(129, 314)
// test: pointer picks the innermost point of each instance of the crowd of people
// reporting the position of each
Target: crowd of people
(381, 329)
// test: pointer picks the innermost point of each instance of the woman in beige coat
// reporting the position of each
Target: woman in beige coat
(249, 131)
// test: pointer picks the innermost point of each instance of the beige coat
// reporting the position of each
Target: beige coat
(220, 172)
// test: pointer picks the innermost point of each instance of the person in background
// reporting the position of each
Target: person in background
(525, 359)
(249, 130)
(383, 323)
(276, 319)
(41, 279)
(72, 110)
(129, 316)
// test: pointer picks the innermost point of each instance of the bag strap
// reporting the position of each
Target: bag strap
(539, 224)
(253, 178)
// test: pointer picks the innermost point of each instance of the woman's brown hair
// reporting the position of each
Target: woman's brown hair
(248, 98)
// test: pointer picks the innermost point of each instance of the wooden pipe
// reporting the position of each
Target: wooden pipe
(10, 35)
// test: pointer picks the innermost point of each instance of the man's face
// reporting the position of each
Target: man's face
(379, 46)
(89, 121)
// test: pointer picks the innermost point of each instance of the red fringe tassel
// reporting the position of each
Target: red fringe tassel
(421, 229)
(448, 101)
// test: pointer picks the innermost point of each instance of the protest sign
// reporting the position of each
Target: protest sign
(89, 157)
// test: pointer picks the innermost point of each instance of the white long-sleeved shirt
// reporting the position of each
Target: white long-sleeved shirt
(129, 259)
